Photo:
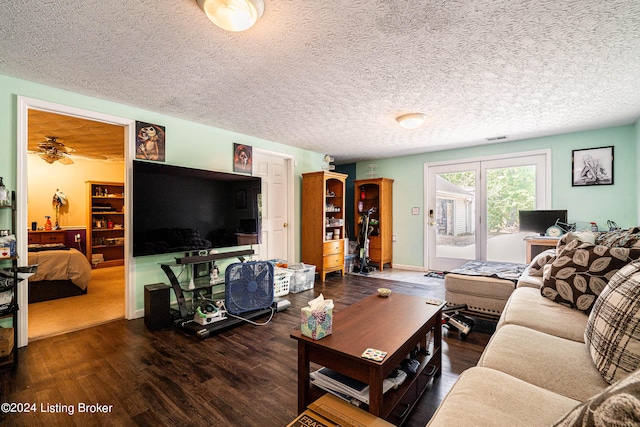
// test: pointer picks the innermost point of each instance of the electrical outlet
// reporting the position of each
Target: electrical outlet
(394, 237)
(77, 237)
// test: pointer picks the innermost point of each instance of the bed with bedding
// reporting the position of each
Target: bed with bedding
(62, 272)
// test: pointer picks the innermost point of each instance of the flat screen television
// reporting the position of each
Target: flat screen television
(179, 209)
(539, 220)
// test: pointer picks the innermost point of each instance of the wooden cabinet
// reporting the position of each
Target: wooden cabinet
(376, 193)
(46, 237)
(323, 221)
(105, 223)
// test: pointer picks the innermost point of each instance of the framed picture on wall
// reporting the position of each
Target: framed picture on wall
(150, 142)
(242, 160)
(592, 166)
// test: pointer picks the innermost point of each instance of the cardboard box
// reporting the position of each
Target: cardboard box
(331, 411)
(316, 324)
(6, 341)
(5, 251)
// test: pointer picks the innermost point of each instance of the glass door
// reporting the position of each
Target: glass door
(452, 220)
(473, 209)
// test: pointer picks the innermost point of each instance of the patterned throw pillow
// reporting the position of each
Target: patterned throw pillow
(619, 238)
(617, 405)
(538, 263)
(582, 270)
(612, 334)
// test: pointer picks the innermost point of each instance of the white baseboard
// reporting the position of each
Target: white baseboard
(408, 267)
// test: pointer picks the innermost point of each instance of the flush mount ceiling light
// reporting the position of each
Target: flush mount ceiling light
(411, 120)
(233, 15)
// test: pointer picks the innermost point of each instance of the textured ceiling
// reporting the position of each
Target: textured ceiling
(332, 75)
(88, 139)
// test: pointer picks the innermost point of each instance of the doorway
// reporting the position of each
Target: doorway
(125, 295)
(277, 208)
(473, 208)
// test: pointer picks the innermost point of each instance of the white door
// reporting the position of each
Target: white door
(276, 200)
(472, 208)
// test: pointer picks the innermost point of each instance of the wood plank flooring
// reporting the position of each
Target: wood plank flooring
(245, 376)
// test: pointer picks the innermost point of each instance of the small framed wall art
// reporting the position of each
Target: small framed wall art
(150, 142)
(592, 166)
(242, 159)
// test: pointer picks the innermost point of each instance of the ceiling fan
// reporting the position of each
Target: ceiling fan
(52, 150)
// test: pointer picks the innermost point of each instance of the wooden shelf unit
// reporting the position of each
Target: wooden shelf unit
(105, 222)
(322, 214)
(9, 308)
(378, 194)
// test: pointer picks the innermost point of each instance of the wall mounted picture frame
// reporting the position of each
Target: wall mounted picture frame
(242, 158)
(150, 142)
(592, 166)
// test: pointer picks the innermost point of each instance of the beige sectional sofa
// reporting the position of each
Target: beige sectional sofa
(540, 366)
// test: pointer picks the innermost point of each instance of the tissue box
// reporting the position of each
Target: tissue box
(316, 324)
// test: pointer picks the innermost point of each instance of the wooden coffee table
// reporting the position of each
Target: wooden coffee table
(398, 325)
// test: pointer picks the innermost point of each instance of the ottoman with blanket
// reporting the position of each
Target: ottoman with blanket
(483, 286)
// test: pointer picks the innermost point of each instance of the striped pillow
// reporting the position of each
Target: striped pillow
(612, 334)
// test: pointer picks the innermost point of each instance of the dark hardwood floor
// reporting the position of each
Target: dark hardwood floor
(245, 376)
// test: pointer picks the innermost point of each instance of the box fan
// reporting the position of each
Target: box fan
(249, 286)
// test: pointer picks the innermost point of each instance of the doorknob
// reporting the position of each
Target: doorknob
(285, 225)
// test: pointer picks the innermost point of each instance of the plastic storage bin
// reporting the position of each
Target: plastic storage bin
(304, 275)
(349, 261)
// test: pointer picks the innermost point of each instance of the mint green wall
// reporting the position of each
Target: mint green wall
(637, 175)
(188, 144)
(618, 202)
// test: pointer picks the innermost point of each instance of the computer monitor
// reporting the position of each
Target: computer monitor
(539, 220)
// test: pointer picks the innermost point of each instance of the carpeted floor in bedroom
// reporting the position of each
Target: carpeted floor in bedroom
(103, 302)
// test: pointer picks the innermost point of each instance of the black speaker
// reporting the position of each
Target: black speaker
(157, 311)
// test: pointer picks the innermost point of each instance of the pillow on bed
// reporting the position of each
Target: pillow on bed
(581, 271)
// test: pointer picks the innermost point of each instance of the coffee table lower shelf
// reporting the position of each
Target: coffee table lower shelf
(398, 403)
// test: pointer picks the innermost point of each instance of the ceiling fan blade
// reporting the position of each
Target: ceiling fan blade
(65, 160)
(47, 158)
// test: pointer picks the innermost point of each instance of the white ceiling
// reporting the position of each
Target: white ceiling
(332, 75)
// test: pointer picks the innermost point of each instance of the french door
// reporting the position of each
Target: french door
(472, 208)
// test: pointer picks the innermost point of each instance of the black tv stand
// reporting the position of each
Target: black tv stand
(184, 314)
(204, 331)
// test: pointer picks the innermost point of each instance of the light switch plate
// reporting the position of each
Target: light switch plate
(415, 211)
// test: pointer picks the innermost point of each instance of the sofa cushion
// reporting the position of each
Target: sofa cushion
(527, 307)
(617, 405)
(557, 364)
(486, 397)
(582, 270)
(612, 332)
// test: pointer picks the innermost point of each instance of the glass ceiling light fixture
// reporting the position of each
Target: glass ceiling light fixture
(411, 120)
(233, 15)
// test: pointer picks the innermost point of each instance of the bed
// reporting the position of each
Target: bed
(62, 272)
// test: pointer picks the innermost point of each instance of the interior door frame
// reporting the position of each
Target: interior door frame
(541, 203)
(24, 105)
(289, 166)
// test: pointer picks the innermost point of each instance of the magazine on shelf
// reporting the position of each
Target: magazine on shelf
(345, 387)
